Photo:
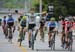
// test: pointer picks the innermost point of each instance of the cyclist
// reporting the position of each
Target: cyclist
(42, 26)
(23, 24)
(31, 24)
(63, 31)
(10, 25)
(68, 29)
(19, 19)
(4, 25)
(52, 27)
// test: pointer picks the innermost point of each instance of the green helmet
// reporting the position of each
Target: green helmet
(24, 18)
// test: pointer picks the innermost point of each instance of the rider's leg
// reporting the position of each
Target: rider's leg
(13, 28)
(36, 34)
(49, 34)
(66, 39)
(63, 38)
(42, 35)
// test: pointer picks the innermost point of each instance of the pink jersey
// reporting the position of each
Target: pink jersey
(73, 25)
(68, 25)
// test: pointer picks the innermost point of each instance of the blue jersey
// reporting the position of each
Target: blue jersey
(52, 24)
(10, 20)
(4, 21)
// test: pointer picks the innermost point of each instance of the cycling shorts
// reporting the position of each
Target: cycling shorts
(51, 29)
(10, 24)
(31, 26)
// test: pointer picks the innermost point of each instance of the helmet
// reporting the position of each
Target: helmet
(42, 18)
(24, 17)
(4, 16)
(9, 14)
(52, 19)
(70, 18)
(66, 19)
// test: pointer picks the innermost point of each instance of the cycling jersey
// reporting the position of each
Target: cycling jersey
(32, 19)
(23, 23)
(67, 25)
(4, 21)
(52, 24)
(73, 25)
(10, 21)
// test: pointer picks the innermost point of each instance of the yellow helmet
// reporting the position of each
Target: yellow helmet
(24, 17)
(52, 19)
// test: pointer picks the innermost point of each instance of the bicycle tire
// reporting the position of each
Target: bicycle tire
(10, 35)
(53, 42)
(70, 42)
(32, 42)
(21, 36)
(20, 42)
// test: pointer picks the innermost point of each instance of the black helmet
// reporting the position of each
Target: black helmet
(4, 16)
(42, 19)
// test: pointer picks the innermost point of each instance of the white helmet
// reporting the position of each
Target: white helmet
(66, 19)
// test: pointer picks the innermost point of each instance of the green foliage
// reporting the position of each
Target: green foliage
(14, 4)
(61, 7)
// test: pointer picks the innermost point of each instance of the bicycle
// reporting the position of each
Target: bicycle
(32, 38)
(21, 35)
(70, 42)
(53, 40)
(10, 34)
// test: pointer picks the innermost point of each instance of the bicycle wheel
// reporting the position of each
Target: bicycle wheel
(54, 41)
(70, 41)
(10, 35)
(21, 37)
(32, 42)
(20, 42)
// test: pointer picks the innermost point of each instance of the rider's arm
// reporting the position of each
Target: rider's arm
(48, 25)
(56, 28)
(27, 23)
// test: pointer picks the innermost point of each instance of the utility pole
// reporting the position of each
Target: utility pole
(40, 8)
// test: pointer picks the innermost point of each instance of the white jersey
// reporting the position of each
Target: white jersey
(32, 19)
